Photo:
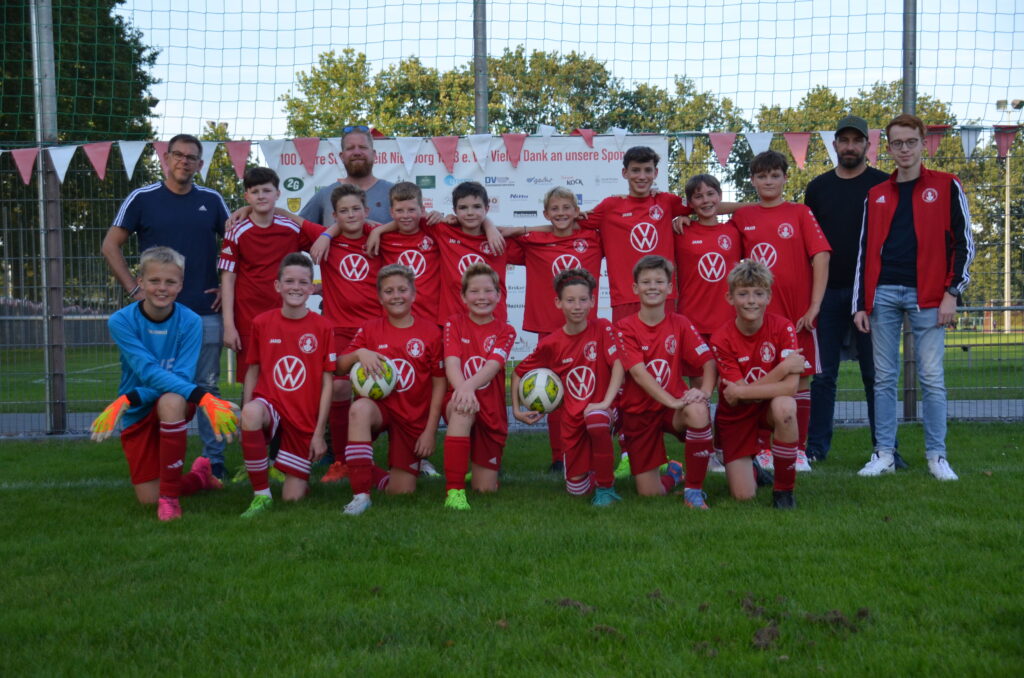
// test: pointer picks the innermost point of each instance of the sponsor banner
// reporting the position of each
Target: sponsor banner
(516, 193)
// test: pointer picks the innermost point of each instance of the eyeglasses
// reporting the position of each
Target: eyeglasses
(179, 156)
(354, 128)
(909, 144)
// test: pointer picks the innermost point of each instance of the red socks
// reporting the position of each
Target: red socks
(578, 487)
(379, 478)
(602, 460)
(257, 463)
(698, 453)
(785, 464)
(803, 416)
(359, 457)
(337, 421)
(456, 462)
(555, 435)
(172, 457)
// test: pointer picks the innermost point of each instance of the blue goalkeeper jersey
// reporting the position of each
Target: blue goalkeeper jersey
(156, 357)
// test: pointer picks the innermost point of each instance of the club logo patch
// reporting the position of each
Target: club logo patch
(930, 195)
(767, 352)
(414, 347)
(725, 242)
(427, 243)
(489, 343)
(580, 245)
(307, 342)
(590, 351)
(656, 212)
(670, 344)
(786, 231)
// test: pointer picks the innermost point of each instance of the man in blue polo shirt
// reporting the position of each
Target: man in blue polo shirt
(190, 219)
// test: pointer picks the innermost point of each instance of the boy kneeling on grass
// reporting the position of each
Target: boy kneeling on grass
(159, 341)
(288, 387)
(760, 363)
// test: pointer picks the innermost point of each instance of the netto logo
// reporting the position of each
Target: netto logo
(293, 184)
(518, 196)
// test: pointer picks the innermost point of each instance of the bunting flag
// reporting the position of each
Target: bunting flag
(934, 136)
(61, 156)
(545, 132)
(827, 138)
(686, 138)
(24, 158)
(377, 134)
(514, 147)
(131, 151)
(722, 143)
(409, 147)
(481, 145)
(307, 147)
(161, 150)
(587, 134)
(874, 139)
(335, 143)
(98, 154)
(209, 149)
(271, 150)
(798, 142)
(238, 151)
(759, 141)
(969, 135)
(446, 148)
(619, 134)
(1005, 135)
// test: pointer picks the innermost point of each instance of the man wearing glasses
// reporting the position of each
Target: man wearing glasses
(188, 218)
(357, 157)
(914, 258)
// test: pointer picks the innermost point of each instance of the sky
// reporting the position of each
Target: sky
(219, 62)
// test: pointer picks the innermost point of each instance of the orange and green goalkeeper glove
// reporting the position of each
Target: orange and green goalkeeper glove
(103, 426)
(223, 415)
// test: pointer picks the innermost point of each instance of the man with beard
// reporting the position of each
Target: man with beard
(837, 200)
(357, 157)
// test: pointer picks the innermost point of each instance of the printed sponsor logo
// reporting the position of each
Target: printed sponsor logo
(711, 267)
(426, 181)
(468, 260)
(755, 374)
(293, 184)
(289, 373)
(354, 267)
(660, 370)
(406, 374)
(564, 262)
(581, 382)
(473, 365)
(540, 181)
(524, 213)
(643, 237)
(414, 260)
(765, 253)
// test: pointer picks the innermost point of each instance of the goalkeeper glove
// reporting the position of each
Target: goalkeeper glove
(222, 414)
(103, 426)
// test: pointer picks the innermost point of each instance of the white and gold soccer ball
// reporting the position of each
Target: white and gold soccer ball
(541, 390)
(369, 386)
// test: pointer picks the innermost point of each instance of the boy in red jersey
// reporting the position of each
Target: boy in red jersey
(658, 348)
(288, 386)
(785, 237)
(584, 354)
(760, 362)
(411, 412)
(476, 346)
(545, 255)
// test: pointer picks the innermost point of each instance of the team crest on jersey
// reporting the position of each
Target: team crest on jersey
(414, 347)
(427, 243)
(670, 344)
(580, 245)
(406, 374)
(307, 342)
(656, 212)
(485, 248)
(725, 242)
(643, 237)
(354, 267)
(590, 350)
(786, 231)
(489, 343)
(767, 352)
(289, 373)
(930, 195)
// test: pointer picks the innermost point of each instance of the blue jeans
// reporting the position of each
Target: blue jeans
(208, 376)
(834, 323)
(891, 302)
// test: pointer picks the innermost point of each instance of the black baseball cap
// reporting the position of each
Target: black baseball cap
(853, 122)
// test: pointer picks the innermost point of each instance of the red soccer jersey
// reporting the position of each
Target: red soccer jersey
(253, 254)
(474, 345)
(783, 238)
(669, 350)
(631, 228)
(417, 355)
(704, 257)
(458, 251)
(418, 251)
(748, 359)
(292, 356)
(349, 279)
(545, 255)
(582, 361)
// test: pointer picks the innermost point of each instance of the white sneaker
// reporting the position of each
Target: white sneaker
(765, 460)
(941, 469)
(802, 464)
(715, 465)
(427, 469)
(358, 505)
(880, 462)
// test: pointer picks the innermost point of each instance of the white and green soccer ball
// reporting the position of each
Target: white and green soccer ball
(541, 390)
(369, 386)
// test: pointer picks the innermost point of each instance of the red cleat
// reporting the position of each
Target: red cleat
(337, 471)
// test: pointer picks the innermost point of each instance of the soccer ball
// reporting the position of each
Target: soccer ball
(374, 387)
(541, 390)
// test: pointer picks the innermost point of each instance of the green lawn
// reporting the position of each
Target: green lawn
(890, 576)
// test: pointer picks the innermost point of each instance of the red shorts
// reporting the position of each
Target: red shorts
(141, 445)
(486, 445)
(808, 341)
(343, 336)
(241, 366)
(736, 429)
(644, 438)
(577, 454)
(402, 437)
(293, 455)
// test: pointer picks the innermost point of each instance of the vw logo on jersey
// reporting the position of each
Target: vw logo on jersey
(767, 352)
(786, 231)
(929, 195)
(468, 260)
(590, 351)
(580, 245)
(711, 267)
(656, 212)
(414, 347)
(473, 364)
(725, 242)
(660, 370)
(643, 237)
(415, 260)
(755, 374)
(406, 375)
(564, 262)
(427, 243)
(289, 373)
(354, 267)
(307, 342)
(670, 344)
(765, 253)
(581, 382)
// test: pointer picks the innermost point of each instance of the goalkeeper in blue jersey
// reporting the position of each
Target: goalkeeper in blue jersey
(159, 342)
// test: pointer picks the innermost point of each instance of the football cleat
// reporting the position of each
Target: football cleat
(358, 505)
(168, 508)
(715, 464)
(427, 469)
(674, 470)
(765, 460)
(622, 470)
(260, 504)
(204, 469)
(783, 499)
(605, 496)
(456, 499)
(695, 499)
(337, 471)
(276, 474)
(802, 464)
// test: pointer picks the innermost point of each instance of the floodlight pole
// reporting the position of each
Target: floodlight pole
(909, 106)
(480, 97)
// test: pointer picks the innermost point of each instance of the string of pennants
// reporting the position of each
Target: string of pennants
(306, 147)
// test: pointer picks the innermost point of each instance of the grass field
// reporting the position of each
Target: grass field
(892, 576)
